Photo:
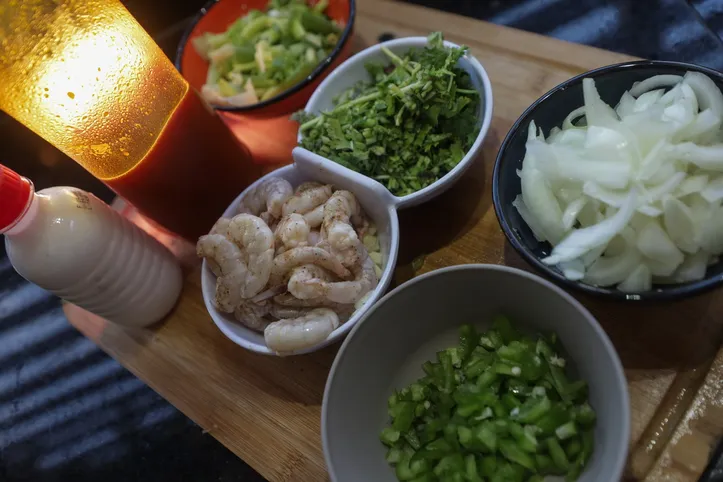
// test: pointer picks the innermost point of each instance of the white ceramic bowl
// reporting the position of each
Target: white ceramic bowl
(377, 208)
(352, 71)
(386, 349)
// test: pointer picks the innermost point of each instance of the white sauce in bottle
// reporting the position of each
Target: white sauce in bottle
(69, 242)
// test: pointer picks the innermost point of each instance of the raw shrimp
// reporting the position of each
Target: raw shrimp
(345, 292)
(293, 231)
(348, 257)
(344, 312)
(307, 197)
(290, 301)
(252, 314)
(340, 211)
(220, 253)
(270, 220)
(294, 334)
(294, 257)
(269, 293)
(256, 241)
(314, 238)
(269, 196)
(300, 278)
(226, 261)
(221, 226)
(280, 312)
(315, 217)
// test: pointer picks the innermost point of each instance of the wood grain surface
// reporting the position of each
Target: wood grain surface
(267, 409)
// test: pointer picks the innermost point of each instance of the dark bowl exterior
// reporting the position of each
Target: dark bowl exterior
(549, 111)
(217, 15)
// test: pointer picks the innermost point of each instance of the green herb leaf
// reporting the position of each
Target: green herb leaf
(417, 116)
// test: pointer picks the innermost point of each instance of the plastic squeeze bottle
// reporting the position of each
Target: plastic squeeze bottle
(72, 244)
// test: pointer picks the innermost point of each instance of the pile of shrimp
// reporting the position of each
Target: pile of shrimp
(293, 264)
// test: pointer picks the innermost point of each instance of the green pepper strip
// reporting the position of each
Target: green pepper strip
(513, 453)
(468, 340)
(403, 415)
(533, 409)
(389, 436)
(557, 454)
(565, 431)
(584, 415)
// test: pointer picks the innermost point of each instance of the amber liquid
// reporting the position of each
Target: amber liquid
(191, 174)
(85, 76)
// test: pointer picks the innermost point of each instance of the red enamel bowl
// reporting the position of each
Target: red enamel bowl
(218, 15)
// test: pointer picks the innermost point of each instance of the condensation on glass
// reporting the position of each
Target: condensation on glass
(84, 75)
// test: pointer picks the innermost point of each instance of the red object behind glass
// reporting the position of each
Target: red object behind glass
(196, 163)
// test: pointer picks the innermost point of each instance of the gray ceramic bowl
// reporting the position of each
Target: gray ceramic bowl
(386, 349)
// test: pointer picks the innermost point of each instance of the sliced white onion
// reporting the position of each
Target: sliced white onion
(656, 193)
(558, 161)
(626, 106)
(631, 196)
(711, 236)
(654, 243)
(693, 268)
(666, 171)
(571, 117)
(529, 219)
(607, 196)
(706, 157)
(680, 225)
(703, 130)
(532, 131)
(569, 216)
(654, 83)
(619, 243)
(572, 137)
(714, 190)
(653, 160)
(573, 270)
(542, 205)
(639, 280)
(591, 256)
(673, 95)
(690, 98)
(609, 144)
(588, 215)
(554, 134)
(609, 270)
(708, 94)
(568, 192)
(597, 112)
(660, 268)
(693, 184)
(582, 240)
(646, 100)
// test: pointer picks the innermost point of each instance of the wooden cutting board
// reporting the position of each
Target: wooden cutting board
(267, 409)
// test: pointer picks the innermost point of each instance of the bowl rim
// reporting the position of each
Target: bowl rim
(670, 292)
(318, 70)
(471, 155)
(622, 449)
(221, 321)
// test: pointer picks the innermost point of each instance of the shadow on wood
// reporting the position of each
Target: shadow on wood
(428, 228)
(676, 334)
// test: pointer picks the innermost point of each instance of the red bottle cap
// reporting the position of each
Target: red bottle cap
(15, 194)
